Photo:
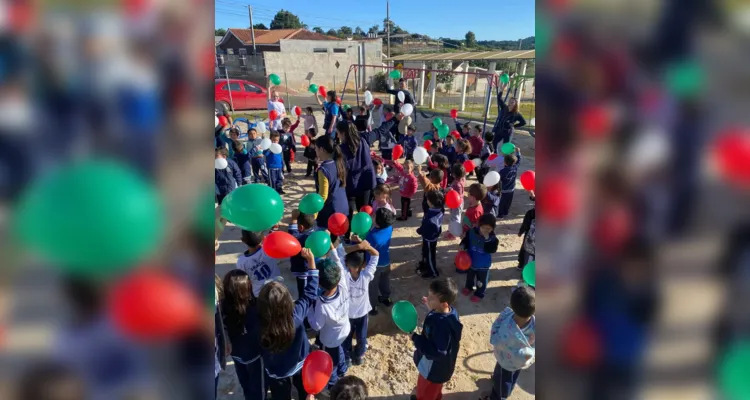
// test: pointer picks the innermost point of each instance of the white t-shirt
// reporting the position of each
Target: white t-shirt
(260, 267)
(330, 316)
(280, 109)
(359, 299)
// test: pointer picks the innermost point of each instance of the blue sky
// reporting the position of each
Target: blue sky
(489, 20)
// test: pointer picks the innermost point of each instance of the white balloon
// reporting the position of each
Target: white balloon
(220, 163)
(407, 109)
(477, 162)
(261, 127)
(368, 97)
(491, 179)
(533, 122)
(420, 155)
(275, 148)
(401, 96)
(455, 228)
(216, 121)
(265, 144)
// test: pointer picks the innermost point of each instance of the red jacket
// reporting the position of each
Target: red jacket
(476, 145)
(407, 183)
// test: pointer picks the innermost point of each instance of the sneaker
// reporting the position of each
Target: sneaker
(519, 267)
(413, 397)
(374, 312)
(461, 271)
(281, 191)
(358, 361)
(349, 363)
(408, 214)
(465, 291)
(386, 301)
(475, 299)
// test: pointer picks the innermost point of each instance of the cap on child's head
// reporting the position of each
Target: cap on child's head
(488, 220)
(523, 302)
(349, 388)
(329, 274)
(478, 191)
(252, 239)
(435, 198)
(355, 259)
(384, 217)
(444, 289)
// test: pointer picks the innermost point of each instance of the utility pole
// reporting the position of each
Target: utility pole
(388, 25)
(252, 29)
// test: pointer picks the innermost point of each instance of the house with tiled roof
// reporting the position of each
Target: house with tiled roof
(276, 40)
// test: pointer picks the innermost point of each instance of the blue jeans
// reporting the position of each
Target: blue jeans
(358, 332)
(339, 363)
(503, 382)
(480, 277)
(252, 378)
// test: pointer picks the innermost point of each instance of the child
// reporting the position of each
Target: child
(330, 315)
(349, 388)
(284, 344)
(463, 148)
(513, 337)
(256, 156)
(432, 134)
(330, 183)
(380, 239)
(459, 182)
(331, 113)
(309, 120)
(409, 142)
(226, 179)
(239, 301)
(380, 174)
(448, 149)
(477, 193)
(528, 230)
(275, 166)
(440, 161)
(480, 243)
(464, 130)
(288, 142)
(243, 161)
(476, 141)
(437, 346)
(301, 227)
(312, 157)
(378, 116)
(387, 141)
(508, 181)
(429, 185)
(349, 115)
(407, 186)
(491, 202)
(484, 155)
(432, 225)
(256, 262)
(360, 273)
(361, 121)
(382, 198)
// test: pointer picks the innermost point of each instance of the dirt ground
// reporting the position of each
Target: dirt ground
(388, 369)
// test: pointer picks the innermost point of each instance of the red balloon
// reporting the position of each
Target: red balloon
(316, 371)
(297, 111)
(322, 90)
(223, 121)
(612, 230)
(594, 122)
(305, 141)
(456, 135)
(338, 224)
(291, 156)
(273, 114)
(492, 157)
(281, 245)
(528, 180)
(453, 199)
(581, 344)
(338, 100)
(732, 152)
(281, 100)
(469, 166)
(463, 261)
(454, 113)
(366, 209)
(377, 102)
(556, 199)
(398, 151)
(152, 305)
(427, 145)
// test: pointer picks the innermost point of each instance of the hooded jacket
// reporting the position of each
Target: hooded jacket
(514, 347)
(437, 346)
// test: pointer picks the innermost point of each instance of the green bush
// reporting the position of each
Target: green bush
(379, 82)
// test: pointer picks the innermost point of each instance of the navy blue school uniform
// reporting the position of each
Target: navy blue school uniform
(491, 203)
(437, 346)
(243, 161)
(409, 142)
(336, 201)
(288, 145)
(227, 179)
(430, 230)
(461, 158)
(298, 263)
(220, 337)
(507, 186)
(283, 368)
(245, 340)
(449, 152)
(275, 165)
(460, 129)
(480, 251)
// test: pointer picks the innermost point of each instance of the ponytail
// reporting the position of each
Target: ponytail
(325, 142)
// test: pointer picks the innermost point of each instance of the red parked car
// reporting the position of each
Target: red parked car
(246, 95)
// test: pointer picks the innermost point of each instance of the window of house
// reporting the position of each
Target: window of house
(339, 50)
(320, 50)
(251, 88)
(235, 87)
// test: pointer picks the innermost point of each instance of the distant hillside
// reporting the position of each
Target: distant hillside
(528, 43)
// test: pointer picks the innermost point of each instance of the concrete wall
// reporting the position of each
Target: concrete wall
(297, 59)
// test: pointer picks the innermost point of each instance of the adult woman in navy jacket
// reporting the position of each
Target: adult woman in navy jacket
(508, 118)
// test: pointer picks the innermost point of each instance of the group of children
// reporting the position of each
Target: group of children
(339, 291)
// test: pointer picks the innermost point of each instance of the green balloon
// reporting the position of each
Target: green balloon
(253, 207)
(275, 79)
(361, 224)
(346, 107)
(529, 273)
(504, 78)
(405, 316)
(313, 88)
(428, 136)
(312, 203)
(508, 148)
(443, 131)
(92, 218)
(395, 74)
(319, 243)
(732, 371)
(543, 36)
(684, 79)
(437, 122)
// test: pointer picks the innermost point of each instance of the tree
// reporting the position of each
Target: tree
(345, 31)
(331, 32)
(386, 24)
(397, 29)
(373, 29)
(359, 32)
(220, 32)
(260, 26)
(286, 20)
(318, 29)
(471, 39)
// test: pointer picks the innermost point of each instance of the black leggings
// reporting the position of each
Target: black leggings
(288, 161)
(357, 202)
(312, 167)
(405, 207)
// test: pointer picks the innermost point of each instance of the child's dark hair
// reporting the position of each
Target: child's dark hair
(252, 130)
(523, 302)
(275, 135)
(444, 289)
(464, 146)
(349, 388)
(489, 137)
(381, 189)
(238, 295)
(478, 128)
(436, 176)
(326, 143)
(478, 191)
(234, 130)
(312, 132)
(330, 275)
(305, 220)
(237, 146)
(356, 259)
(275, 308)
(252, 239)
(458, 171)
(309, 109)
(489, 220)
(377, 164)
(441, 161)
(50, 380)
(286, 122)
(384, 217)
(449, 137)
(331, 95)
(411, 128)
(510, 159)
(362, 109)
(221, 151)
(435, 198)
